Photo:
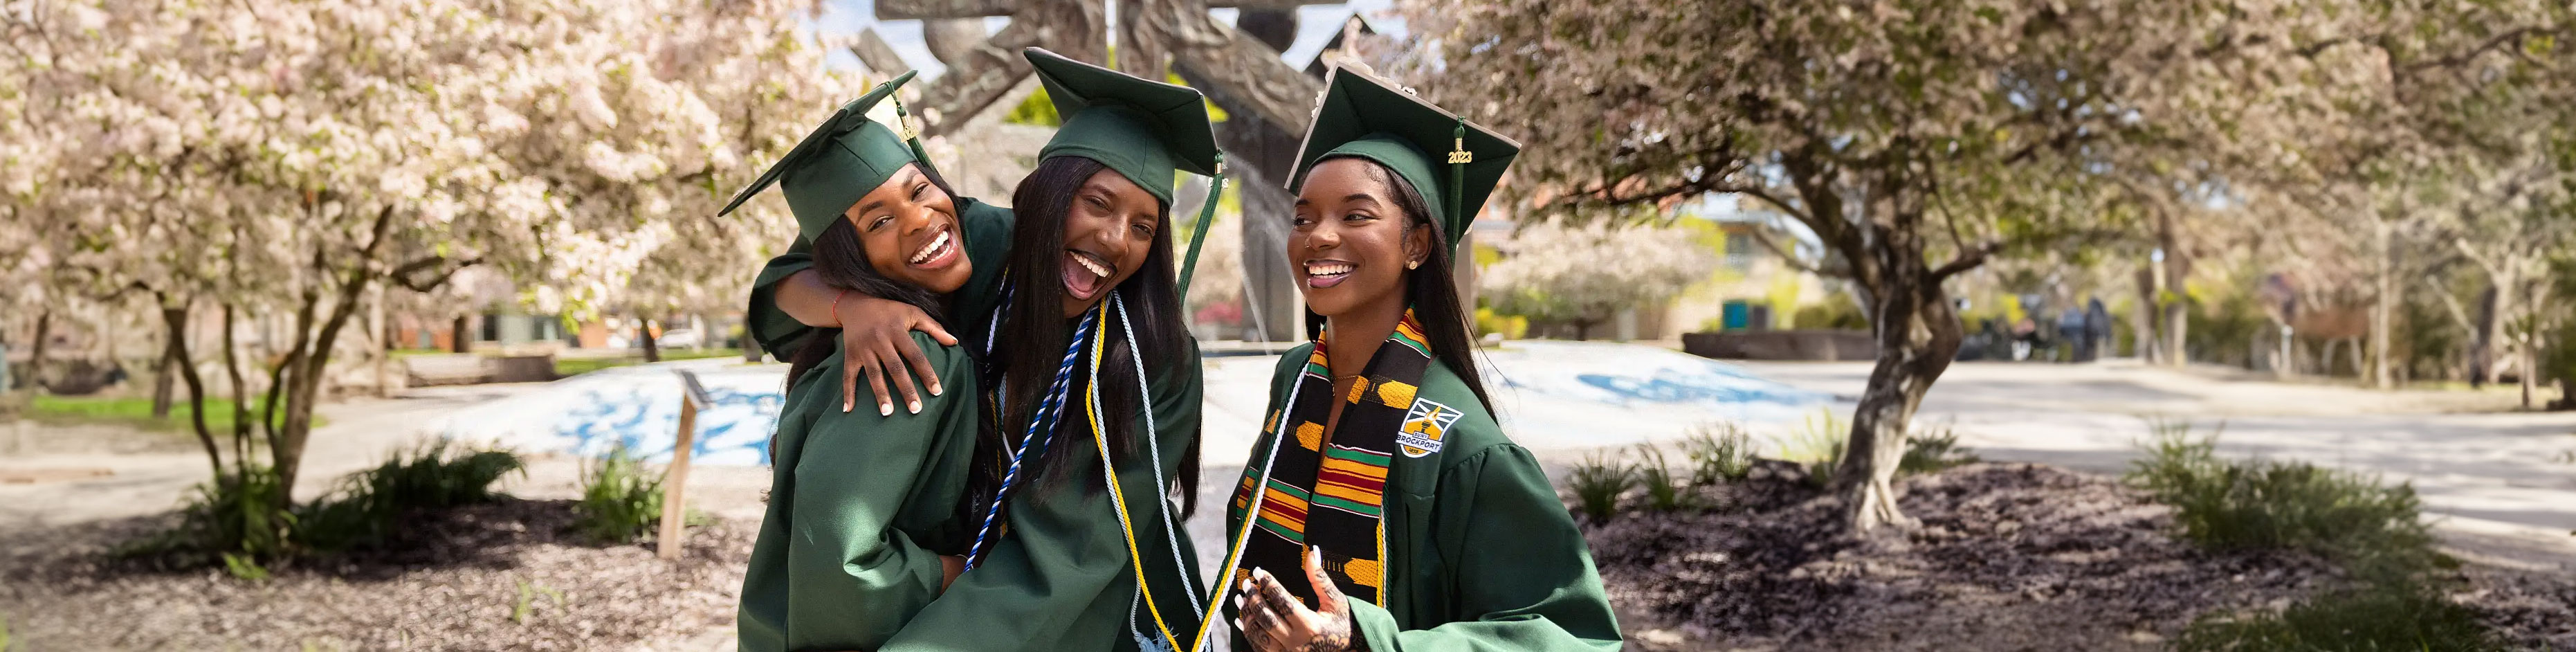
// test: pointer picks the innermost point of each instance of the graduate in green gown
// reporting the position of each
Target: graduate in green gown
(1091, 357)
(863, 527)
(1058, 567)
(1386, 509)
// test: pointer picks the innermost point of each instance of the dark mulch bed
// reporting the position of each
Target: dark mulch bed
(454, 582)
(2007, 557)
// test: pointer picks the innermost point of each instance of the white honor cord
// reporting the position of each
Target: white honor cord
(1154, 448)
(1251, 513)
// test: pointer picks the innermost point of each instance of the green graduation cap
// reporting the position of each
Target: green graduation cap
(1452, 162)
(840, 162)
(1142, 128)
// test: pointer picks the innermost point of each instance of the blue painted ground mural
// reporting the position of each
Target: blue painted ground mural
(733, 429)
(639, 407)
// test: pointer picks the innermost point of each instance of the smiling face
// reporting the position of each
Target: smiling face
(1108, 231)
(908, 227)
(1353, 240)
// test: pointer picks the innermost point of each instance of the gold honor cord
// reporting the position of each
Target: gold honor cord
(1234, 550)
(1126, 527)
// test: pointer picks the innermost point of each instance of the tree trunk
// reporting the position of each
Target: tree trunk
(382, 341)
(1918, 335)
(36, 354)
(176, 317)
(2142, 342)
(241, 394)
(2383, 304)
(644, 334)
(1582, 330)
(2482, 354)
(457, 339)
(162, 379)
(2174, 292)
(2529, 371)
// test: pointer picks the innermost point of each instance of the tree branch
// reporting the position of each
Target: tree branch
(403, 274)
(1966, 260)
(1763, 237)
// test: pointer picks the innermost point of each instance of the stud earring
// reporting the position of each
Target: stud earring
(1412, 264)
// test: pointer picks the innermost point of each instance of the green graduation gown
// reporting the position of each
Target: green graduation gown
(988, 243)
(1057, 580)
(1061, 579)
(1481, 553)
(860, 508)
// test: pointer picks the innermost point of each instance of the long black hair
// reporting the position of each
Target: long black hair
(1030, 344)
(1431, 291)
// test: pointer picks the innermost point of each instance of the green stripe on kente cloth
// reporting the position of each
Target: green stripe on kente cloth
(1418, 345)
(1285, 488)
(1362, 457)
(1282, 530)
(1329, 501)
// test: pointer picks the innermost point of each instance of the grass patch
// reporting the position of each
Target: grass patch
(577, 366)
(1819, 444)
(2372, 529)
(620, 499)
(1719, 453)
(2383, 616)
(1663, 492)
(1934, 451)
(1597, 483)
(135, 412)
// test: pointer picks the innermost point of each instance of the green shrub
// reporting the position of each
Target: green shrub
(370, 504)
(1663, 492)
(1820, 445)
(1836, 311)
(1719, 452)
(620, 500)
(1934, 451)
(2374, 530)
(2381, 616)
(1598, 482)
(1511, 326)
(236, 520)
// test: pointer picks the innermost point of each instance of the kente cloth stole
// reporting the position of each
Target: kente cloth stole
(1332, 495)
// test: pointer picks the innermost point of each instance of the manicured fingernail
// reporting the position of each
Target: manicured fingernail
(914, 405)
(846, 406)
(885, 409)
(935, 389)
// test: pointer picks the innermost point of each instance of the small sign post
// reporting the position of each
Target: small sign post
(676, 478)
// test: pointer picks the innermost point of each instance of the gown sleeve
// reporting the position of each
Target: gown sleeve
(777, 332)
(1063, 549)
(853, 577)
(1525, 580)
(988, 246)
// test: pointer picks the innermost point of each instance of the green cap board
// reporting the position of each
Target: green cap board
(846, 157)
(1142, 128)
(1454, 163)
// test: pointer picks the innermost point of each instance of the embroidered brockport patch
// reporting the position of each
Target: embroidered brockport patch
(1425, 426)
